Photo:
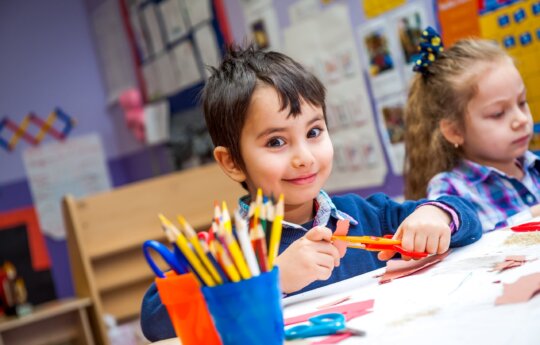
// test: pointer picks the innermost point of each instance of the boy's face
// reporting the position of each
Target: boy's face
(285, 154)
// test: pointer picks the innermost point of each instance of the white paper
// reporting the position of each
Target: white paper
(207, 44)
(151, 81)
(140, 41)
(185, 65)
(303, 9)
(173, 20)
(167, 80)
(156, 122)
(324, 44)
(152, 28)
(76, 166)
(113, 49)
(452, 302)
(198, 11)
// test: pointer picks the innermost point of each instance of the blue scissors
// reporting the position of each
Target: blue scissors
(175, 259)
(324, 324)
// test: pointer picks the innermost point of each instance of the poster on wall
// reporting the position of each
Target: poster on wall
(262, 23)
(325, 44)
(76, 166)
(391, 113)
(380, 54)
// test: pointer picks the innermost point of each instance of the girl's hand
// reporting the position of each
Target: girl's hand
(310, 258)
(427, 229)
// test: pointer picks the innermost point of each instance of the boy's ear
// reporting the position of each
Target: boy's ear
(451, 132)
(225, 161)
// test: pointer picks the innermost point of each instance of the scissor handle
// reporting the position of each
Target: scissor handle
(324, 324)
(165, 253)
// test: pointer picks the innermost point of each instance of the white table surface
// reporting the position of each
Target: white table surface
(451, 303)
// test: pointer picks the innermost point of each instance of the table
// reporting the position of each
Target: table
(451, 303)
(55, 322)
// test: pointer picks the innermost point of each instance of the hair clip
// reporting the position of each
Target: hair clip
(430, 47)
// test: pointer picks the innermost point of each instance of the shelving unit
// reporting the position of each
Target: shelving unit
(105, 233)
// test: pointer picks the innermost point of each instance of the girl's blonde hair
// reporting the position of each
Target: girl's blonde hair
(443, 91)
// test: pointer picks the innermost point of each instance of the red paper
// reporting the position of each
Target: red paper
(400, 268)
(350, 310)
(520, 291)
(333, 303)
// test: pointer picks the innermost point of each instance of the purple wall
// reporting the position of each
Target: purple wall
(49, 59)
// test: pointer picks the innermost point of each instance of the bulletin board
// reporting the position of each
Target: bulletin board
(175, 41)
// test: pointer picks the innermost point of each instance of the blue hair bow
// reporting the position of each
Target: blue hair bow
(430, 47)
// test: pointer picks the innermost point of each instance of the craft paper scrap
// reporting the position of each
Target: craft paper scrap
(520, 291)
(401, 268)
(509, 262)
(333, 303)
(350, 310)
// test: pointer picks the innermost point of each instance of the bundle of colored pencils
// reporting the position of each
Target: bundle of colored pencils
(226, 253)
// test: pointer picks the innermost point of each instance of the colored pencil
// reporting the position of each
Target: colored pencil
(275, 236)
(245, 243)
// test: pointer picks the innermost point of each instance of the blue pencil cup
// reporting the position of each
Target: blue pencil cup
(249, 311)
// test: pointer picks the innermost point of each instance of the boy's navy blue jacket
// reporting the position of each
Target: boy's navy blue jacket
(376, 216)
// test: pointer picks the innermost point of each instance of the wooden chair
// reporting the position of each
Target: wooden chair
(105, 233)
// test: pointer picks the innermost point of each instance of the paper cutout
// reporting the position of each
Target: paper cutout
(520, 291)
(400, 268)
(509, 262)
(333, 303)
(350, 310)
(342, 229)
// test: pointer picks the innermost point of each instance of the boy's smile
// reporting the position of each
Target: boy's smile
(284, 153)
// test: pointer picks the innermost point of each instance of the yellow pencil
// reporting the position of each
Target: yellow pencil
(194, 240)
(183, 245)
(275, 235)
(232, 244)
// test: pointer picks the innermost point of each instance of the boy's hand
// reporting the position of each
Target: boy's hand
(427, 229)
(307, 259)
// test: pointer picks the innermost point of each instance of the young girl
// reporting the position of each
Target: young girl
(468, 130)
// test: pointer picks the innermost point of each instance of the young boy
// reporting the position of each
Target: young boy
(266, 116)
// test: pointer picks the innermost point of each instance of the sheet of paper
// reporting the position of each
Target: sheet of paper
(262, 24)
(206, 42)
(76, 166)
(156, 122)
(198, 11)
(113, 49)
(151, 24)
(185, 65)
(173, 20)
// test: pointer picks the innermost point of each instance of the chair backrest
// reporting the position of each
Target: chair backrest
(105, 233)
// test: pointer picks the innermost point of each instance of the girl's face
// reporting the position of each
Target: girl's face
(286, 154)
(498, 123)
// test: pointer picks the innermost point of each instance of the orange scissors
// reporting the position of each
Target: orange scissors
(374, 243)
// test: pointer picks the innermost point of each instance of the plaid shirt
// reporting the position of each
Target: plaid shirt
(499, 200)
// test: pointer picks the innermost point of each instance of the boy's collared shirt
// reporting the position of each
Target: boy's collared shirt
(500, 200)
(324, 209)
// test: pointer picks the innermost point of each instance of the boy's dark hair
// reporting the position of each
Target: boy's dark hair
(227, 93)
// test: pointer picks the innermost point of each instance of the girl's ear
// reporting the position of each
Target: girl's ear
(451, 132)
(225, 161)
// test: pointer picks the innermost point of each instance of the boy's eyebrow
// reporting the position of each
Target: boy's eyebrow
(318, 117)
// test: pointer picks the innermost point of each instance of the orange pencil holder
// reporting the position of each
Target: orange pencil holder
(181, 295)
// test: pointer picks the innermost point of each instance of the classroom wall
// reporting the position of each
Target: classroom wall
(49, 59)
